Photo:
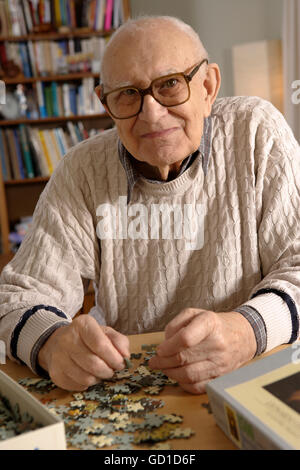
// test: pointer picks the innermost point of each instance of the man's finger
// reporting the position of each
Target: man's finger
(71, 376)
(192, 373)
(120, 342)
(99, 343)
(196, 389)
(186, 356)
(187, 337)
(92, 364)
(180, 321)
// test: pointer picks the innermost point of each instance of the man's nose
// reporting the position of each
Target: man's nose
(152, 110)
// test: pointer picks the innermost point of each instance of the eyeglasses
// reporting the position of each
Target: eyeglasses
(169, 90)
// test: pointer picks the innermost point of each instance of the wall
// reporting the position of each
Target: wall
(221, 24)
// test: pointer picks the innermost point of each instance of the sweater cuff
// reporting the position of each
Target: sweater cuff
(258, 325)
(276, 315)
(33, 329)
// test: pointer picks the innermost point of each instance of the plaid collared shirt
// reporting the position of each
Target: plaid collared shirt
(203, 153)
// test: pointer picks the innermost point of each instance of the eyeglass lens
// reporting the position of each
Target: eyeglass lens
(168, 91)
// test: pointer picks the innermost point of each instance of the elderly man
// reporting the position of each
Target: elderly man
(185, 216)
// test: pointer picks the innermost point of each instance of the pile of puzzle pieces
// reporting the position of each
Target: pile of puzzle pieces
(119, 413)
(12, 421)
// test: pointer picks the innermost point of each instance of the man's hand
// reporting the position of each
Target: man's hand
(79, 355)
(200, 345)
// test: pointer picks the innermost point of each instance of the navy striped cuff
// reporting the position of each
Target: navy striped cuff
(292, 308)
(44, 334)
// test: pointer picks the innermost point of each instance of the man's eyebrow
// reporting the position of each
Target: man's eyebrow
(135, 85)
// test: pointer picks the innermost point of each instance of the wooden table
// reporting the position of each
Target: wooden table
(192, 407)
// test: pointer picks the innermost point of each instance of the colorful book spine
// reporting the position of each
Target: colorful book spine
(38, 150)
(31, 53)
(6, 156)
(19, 153)
(55, 146)
(26, 152)
(62, 6)
(54, 94)
(27, 14)
(25, 60)
(73, 99)
(116, 14)
(57, 13)
(48, 100)
(108, 15)
(41, 99)
(45, 150)
(60, 143)
(2, 157)
(13, 154)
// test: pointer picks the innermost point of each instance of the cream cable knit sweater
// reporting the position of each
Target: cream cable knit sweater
(250, 203)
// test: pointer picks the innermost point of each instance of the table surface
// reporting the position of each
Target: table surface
(193, 408)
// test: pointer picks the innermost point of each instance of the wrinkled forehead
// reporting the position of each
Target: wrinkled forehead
(137, 58)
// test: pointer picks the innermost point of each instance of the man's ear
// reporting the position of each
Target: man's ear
(211, 83)
(98, 91)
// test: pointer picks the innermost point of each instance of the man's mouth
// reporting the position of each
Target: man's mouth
(159, 133)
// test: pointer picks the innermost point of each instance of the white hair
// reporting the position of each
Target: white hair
(136, 25)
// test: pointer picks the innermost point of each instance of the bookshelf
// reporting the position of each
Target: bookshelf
(50, 51)
(50, 55)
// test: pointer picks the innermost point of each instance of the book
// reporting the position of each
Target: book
(55, 146)
(108, 15)
(33, 6)
(12, 154)
(3, 20)
(117, 13)
(41, 99)
(21, 17)
(258, 405)
(34, 156)
(83, 131)
(31, 52)
(72, 99)
(24, 59)
(46, 151)
(6, 155)
(38, 151)
(54, 157)
(19, 153)
(66, 99)
(6, 173)
(60, 143)
(14, 18)
(54, 93)
(26, 151)
(27, 15)
(64, 141)
(57, 13)
(73, 134)
(48, 100)
(63, 12)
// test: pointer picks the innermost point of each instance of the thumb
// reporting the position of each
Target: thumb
(120, 341)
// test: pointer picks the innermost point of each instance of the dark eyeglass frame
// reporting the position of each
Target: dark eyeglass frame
(149, 91)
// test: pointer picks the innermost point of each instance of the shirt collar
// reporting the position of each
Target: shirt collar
(203, 151)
